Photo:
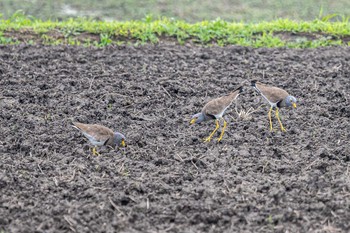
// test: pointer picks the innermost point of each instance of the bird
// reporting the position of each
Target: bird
(277, 98)
(100, 135)
(214, 110)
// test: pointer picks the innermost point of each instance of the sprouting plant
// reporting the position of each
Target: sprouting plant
(148, 18)
(105, 39)
(125, 172)
(5, 40)
(48, 117)
(270, 220)
(68, 32)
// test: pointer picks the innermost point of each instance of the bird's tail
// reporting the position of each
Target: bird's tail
(76, 125)
(234, 94)
(239, 89)
(253, 84)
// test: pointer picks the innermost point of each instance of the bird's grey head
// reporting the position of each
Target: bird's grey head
(291, 101)
(197, 118)
(119, 139)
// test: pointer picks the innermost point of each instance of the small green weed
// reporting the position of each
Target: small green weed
(105, 40)
(150, 30)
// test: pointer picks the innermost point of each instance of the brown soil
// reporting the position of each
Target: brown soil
(167, 179)
(63, 37)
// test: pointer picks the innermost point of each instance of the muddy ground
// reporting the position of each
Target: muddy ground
(167, 179)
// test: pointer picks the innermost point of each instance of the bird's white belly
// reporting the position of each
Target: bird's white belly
(218, 116)
(273, 105)
(93, 140)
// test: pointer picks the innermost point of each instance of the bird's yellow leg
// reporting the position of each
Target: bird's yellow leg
(94, 151)
(223, 131)
(211, 135)
(270, 119)
(279, 120)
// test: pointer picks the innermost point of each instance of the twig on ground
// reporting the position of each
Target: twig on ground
(194, 164)
(70, 222)
(246, 115)
(73, 176)
(166, 92)
(114, 205)
(181, 159)
(91, 82)
(40, 169)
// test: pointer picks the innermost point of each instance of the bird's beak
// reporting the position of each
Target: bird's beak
(193, 121)
(294, 105)
(123, 143)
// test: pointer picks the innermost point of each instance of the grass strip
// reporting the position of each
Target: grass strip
(20, 28)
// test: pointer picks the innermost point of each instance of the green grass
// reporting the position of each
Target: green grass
(20, 28)
(188, 10)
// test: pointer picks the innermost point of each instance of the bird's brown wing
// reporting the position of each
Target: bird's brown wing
(218, 105)
(99, 132)
(273, 94)
(214, 107)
